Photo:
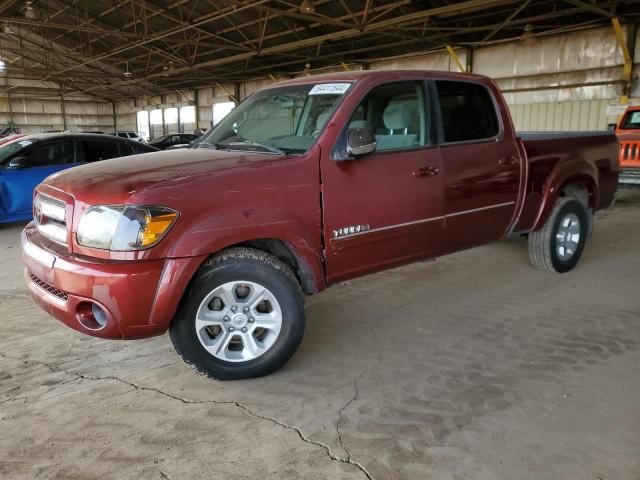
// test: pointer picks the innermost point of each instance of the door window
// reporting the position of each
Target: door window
(396, 114)
(95, 150)
(467, 111)
(59, 153)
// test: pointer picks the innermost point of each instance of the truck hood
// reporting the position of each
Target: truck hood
(628, 135)
(122, 179)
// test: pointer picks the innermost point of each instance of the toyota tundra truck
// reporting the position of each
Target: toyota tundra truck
(307, 183)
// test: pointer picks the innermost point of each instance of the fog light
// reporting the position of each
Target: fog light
(99, 314)
(91, 316)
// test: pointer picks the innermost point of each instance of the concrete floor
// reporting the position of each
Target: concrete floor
(474, 366)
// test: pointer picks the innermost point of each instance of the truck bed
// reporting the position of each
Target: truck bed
(549, 154)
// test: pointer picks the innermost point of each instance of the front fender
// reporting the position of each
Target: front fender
(566, 172)
(211, 234)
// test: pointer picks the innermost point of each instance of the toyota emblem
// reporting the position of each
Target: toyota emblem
(38, 210)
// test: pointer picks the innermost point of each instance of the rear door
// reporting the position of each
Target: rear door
(481, 164)
(94, 150)
(386, 208)
(43, 159)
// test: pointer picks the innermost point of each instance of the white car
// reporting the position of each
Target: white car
(127, 134)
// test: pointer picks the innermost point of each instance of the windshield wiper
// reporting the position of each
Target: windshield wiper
(251, 143)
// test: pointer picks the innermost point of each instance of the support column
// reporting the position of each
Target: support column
(469, 62)
(64, 115)
(9, 107)
(627, 48)
(455, 58)
(164, 126)
(196, 102)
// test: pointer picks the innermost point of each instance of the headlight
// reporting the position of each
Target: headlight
(124, 227)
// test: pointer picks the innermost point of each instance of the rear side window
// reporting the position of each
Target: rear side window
(467, 111)
(95, 150)
(59, 153)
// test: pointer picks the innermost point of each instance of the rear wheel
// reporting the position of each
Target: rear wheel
(242, 316)
(557, 246)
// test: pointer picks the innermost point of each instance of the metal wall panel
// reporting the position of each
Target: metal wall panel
(436, 61)
(583, 115)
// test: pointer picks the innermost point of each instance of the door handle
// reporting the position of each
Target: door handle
(429, 171)
(511, 160)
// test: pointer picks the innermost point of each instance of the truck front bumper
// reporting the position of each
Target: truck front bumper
(629, 176)
(119, 300)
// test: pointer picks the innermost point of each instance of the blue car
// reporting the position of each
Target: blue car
(27, 160)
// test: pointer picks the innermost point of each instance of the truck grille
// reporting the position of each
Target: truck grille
(48, 288)
(50, 218)
(630, 153)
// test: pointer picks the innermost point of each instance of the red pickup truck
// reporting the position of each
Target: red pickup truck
(306, 183)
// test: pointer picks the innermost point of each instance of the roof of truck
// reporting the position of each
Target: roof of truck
(352, 76)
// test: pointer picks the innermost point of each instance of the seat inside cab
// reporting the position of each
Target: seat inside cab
(394, 112)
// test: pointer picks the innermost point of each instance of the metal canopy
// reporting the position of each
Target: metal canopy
(131, 48)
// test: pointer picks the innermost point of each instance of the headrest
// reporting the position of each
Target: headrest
(396, 115)
(321, 120)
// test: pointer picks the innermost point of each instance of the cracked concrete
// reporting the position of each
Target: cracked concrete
(491, 371)
(188, 401)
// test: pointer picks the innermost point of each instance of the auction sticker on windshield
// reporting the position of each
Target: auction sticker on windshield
(329, 89)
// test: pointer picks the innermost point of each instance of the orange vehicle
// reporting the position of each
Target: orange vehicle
(628, 133)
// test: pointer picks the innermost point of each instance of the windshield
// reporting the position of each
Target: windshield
(631, 121)
(9, 149)
(278, 120)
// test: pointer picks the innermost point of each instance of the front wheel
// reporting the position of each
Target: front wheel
(558, 245)
(242, 316)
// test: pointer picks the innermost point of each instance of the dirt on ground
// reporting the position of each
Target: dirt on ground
(474, 366)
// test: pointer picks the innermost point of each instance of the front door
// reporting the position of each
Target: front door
(17, 184)
(385, 208)
(481, 164)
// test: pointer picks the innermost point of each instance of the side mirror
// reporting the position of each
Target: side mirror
(18, 163)
(360, 142)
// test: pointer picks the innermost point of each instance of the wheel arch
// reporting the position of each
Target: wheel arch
(286, 253)
(575, 178)
(270, 231)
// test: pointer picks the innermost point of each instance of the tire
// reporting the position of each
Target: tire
(555, 248)
(247, 342)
